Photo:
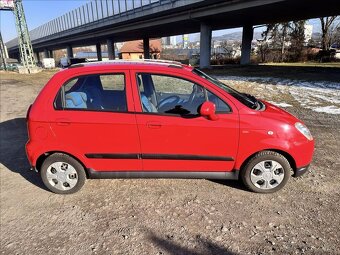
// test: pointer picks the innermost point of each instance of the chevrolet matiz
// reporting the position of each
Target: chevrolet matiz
(159, 119)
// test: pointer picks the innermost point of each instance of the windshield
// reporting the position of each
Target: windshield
(247, 100)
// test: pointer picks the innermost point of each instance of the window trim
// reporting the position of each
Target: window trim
(236, 94)
(220, 112)
(63, 102)
(183, 78)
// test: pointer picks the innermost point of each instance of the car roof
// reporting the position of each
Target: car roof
(134, 63)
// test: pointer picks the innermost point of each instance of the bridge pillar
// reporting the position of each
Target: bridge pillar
(247, 37)
(37, 56)
(205, 46)
(46, 53)
(146, 46)
(50, 53)
(110, 49)
(69, 51)
(99, 52)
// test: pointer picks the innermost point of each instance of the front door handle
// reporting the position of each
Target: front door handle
(154, 125)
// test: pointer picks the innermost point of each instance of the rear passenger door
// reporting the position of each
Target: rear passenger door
(95, 119)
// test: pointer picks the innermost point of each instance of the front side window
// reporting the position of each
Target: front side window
(172, 95)
(245, 99)
(94, 92)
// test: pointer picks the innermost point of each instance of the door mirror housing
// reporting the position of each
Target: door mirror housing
(208, 109)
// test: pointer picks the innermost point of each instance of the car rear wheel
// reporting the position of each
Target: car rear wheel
(62, 174)
(266, 172)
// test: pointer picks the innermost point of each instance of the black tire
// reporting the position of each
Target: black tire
(80, 174)
(265, 156)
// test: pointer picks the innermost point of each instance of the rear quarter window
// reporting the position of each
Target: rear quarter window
(104, 92)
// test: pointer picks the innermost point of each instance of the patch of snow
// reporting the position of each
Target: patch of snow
(280, 81)
(327, 98)
(328, 109)
(319, 96)
(280, 104)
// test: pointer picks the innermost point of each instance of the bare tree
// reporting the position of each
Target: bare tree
(336, 36)
(263, 50)
(297, 40)
(230, 48)
(284, 41)
(326, 28)
(277, 34)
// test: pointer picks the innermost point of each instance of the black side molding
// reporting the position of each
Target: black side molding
(185, 157)
(93, 174)
(157, 156)
(112, 156)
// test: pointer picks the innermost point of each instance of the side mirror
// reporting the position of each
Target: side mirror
(208, 109)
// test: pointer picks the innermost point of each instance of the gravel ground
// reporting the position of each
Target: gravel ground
(168, 216)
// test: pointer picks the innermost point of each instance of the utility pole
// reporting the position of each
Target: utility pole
(24, 41)
(3, 54)
(25, 46)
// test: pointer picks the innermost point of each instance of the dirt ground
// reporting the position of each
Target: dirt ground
(168, 216)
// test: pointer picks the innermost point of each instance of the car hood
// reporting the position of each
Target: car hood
(275, 112)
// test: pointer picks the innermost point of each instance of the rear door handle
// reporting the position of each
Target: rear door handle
(63, 122)
(154, 125)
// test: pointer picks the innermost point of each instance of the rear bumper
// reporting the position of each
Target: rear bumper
(29, 153)
(34, 169)
(300, 171)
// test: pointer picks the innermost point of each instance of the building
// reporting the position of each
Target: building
(166, 41)
(308, 33)
(185, 41)
(135, 50)
(173, 41)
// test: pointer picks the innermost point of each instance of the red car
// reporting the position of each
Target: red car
(148, 119)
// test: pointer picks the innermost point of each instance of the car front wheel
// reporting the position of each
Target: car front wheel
(266, 172)
(62, 174)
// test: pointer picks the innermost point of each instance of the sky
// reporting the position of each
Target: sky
(39, 12)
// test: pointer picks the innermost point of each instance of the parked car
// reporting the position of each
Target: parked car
(11, 67)
(66, 62)
(159, 119)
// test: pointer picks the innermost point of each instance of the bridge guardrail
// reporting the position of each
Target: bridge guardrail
(94, 11)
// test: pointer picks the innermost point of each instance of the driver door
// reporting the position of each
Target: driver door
(174, 137)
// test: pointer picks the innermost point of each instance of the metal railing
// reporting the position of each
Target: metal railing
(91, 12)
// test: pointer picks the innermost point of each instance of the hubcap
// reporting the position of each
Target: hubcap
(267, 174)
(62, 176)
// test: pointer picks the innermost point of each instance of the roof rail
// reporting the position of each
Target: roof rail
(118, 61)
(162, 61)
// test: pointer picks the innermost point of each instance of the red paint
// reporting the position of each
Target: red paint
(238, 134)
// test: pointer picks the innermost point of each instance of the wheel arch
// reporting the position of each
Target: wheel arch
(45, 155)
(290, 159)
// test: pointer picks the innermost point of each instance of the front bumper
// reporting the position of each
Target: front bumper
(300, 171)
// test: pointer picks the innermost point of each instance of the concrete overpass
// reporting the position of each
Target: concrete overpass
(110, 21)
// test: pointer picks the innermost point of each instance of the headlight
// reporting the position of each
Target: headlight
(304, 130)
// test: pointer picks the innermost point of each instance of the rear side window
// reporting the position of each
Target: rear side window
(93, 92)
